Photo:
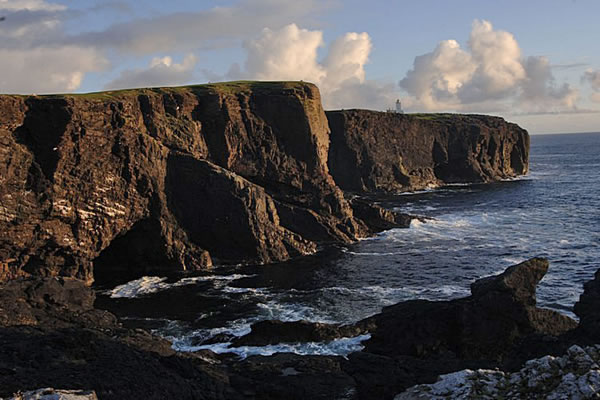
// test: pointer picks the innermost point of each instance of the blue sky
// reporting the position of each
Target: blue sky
(533, 62)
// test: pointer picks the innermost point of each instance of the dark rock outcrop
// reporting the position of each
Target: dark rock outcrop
(588, 311)
(273, 332)
(377, 151)
(142, 181)
(50, 335)
(485, 326)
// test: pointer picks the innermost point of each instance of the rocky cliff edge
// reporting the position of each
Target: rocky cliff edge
(115, 185)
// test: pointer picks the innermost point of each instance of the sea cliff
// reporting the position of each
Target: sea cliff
(389, 152)
(115, 185)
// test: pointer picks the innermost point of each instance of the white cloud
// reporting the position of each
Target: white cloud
(46, 70)
(286, 54)
(291, 53)
(437, 77)
(499, 69)
(346, 59)
(30, 5)
(490, 75)
(161, 72)
(539, 90)
(593, 78)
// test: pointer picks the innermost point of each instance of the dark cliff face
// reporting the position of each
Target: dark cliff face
(154, 179)
(376, 151)
(114, 185)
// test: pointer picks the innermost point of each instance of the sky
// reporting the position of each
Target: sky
(534, 62)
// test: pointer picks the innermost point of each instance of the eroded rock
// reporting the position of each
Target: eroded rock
(377, 151)
(487, 325)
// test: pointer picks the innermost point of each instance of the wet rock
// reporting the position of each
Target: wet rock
(377, 151)
(274, 331)
(588, 311)
(486, 325)
(50, 335)
(290, 376)
(54, 394)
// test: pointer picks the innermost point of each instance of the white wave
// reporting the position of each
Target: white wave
(355, 253)
(289, 312)
(392, 295)
(152, 284)
(336, 347)
(139, 287)
(231, 289)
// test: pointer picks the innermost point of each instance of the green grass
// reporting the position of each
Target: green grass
(432, 116)
(232, 87)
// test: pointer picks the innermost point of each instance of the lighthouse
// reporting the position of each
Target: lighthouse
(399, 107)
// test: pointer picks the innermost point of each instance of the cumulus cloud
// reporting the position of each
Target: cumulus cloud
(489, 75)
(593, 78)
(161, 72)
(539, 89)
(291, 53)
(437, 77)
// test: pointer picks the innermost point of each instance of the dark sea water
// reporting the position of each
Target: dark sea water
(478, 230)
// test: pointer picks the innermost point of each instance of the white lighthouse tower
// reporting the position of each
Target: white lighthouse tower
(399, 107)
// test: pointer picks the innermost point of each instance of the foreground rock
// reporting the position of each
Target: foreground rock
(52, 337)
(53, 394)
(498, 326)
(575, 375)
(588, 311)
(376, 151)
(488, 325)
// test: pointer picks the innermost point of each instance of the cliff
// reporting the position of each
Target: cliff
(377, 151)
(115, 185)
(139, 181)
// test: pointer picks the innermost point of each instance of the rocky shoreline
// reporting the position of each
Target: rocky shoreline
(52, 336)
(112, 186)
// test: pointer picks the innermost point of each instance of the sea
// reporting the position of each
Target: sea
(474, 231)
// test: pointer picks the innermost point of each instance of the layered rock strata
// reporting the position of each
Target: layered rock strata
(375, 151)
(140, 181)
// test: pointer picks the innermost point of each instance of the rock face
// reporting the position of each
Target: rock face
(588, 311)
(376, 151)
(575, 375)
(53, 394)
(140, 181)
(498, 326)
(484, 326)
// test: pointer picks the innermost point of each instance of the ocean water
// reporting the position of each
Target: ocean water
(476, 231)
